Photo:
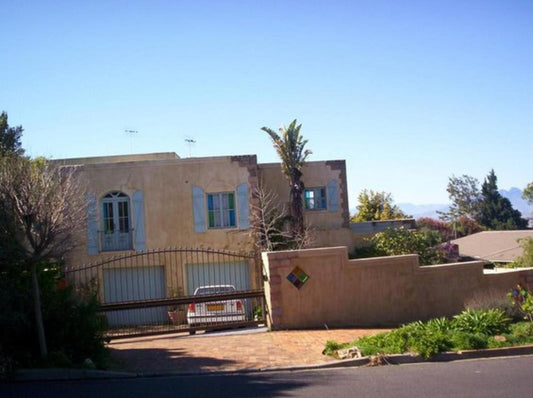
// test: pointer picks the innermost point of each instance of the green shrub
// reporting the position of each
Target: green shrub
(469, 330)
(522, 300)
(17, 338)
(73, 326)
(526, 260)
(379, 343)
(495, 343)
(332, 347)
(58, 359)
(522, 329)
(489, 322)
(426, 338)
(430, 343)
(439, 324)
(486, 300)
(7, 366)
(366, 251)
(398, 241)
(395, 342)
(468, 341)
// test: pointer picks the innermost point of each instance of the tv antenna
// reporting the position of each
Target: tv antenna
(190, 142)
(131, 133)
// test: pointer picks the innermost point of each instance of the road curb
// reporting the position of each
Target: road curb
(25, 375)
(52, 374)
(398, 359)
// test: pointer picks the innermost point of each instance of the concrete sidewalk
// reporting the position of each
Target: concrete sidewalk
(228, 352)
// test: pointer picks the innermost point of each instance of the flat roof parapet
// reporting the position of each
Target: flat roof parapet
(119, 158)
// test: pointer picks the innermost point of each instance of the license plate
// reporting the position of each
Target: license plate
(215, 307)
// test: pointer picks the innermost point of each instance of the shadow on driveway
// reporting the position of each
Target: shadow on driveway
(160, 360)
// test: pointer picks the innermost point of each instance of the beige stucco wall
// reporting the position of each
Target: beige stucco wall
(167, 182)
(329, 228)
(168, 200)
(382, 291)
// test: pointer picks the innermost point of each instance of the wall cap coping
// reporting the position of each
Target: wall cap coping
(133, 163)
(455, 266)
(498, 271)
(312, 162)
(384, 260)
(316, 252)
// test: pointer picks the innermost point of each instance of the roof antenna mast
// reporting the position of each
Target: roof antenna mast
(190, 142)
(131, 133)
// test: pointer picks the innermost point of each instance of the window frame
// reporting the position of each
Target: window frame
(116, 220)
(322, 198)
(224, 208)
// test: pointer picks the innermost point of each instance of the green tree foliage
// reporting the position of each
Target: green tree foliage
(465, 225)
(526, 259)
(376, 206)
(487, 207)
(9, 137)
(429, 224)
(75, 329)
(449, 230)
(495, 211)
(41, 209)
(464, 193)
(290, 146)
(399, 241)
(527, 193)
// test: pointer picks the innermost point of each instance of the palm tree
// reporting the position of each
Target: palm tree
(289, 145)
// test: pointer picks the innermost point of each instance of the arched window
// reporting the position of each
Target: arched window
(116, 222)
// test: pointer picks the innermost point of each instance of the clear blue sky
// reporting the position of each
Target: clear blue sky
(408, 93)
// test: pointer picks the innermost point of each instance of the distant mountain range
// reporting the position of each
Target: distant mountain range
(418, 211)
(430, 210)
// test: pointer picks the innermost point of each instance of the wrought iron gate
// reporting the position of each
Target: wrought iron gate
(154, 292)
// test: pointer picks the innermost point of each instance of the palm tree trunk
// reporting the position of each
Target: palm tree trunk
(297, 188)
(38, 312)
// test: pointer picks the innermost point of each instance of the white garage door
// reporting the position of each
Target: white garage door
(236, 274)
(134, 284)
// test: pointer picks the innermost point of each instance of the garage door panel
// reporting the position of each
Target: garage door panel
(236, 274)
(134, 284)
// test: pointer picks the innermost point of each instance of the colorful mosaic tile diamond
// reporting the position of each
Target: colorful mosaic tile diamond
(298, 277)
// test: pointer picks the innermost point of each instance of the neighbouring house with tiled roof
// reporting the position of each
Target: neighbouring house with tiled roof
(493, 246)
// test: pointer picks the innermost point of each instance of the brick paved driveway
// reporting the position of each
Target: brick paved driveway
(227, 352)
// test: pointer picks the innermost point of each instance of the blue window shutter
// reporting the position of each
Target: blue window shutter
(333, 196)
(138, 214)
(92, 225)
(242, 206)
(198, 209)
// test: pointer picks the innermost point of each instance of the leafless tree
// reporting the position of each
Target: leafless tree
(43, 208)
(268, 220)
(271, 224)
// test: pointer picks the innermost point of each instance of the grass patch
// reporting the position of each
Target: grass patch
(470, 330)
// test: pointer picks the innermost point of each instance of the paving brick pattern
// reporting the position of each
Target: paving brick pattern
(181, 353)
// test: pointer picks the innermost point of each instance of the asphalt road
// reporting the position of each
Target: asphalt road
(502, 377)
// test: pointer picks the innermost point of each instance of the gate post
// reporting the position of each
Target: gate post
(273, 291)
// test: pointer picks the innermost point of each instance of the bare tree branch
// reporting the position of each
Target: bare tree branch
(271, 224)
(41, 209)
(47, 204)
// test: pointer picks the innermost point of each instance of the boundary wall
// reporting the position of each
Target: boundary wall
(380, 291)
